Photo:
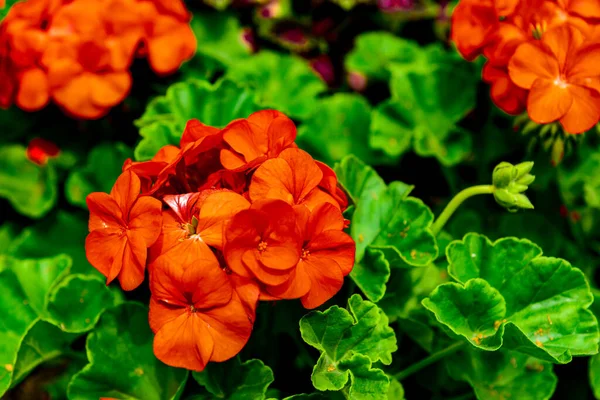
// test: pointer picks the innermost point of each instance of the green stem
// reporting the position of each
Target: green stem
(456, 202)
(432, 358)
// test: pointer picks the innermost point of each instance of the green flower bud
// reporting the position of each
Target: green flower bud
(510, 181)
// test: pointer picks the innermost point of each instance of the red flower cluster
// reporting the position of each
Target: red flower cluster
(541, 55)
(78, 52)
(230, 217)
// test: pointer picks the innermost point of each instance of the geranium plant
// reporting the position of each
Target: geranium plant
(286, 200)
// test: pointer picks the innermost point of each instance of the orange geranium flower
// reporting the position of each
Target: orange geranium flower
(264, 242)
(122, 226)
(293, 177)
(473, 23)
(194, 225)
(561, 72)
(327, 256)
(263, 135)
(196, 314)
(505, 94)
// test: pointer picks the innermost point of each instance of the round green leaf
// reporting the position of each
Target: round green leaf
(375, 51)
(234, 380)
(165, 117)
(358, 178)
(372, 274)
(104, 165)
(220, 37)
(91, 297)
(345, 119)
(30, 188)
(122, 363)
(349, 342)
(283, 82)
(532, 304)
(503, 374)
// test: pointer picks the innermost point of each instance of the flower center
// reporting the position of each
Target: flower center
(262, 246)
(538, 29)
(305, 254)
(561, 82)
(193, 309)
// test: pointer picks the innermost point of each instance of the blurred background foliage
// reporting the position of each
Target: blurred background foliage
(377, 79)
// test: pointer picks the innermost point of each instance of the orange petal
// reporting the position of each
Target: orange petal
(172, 44)
(323, 218)
(584, 112)
(229, 327)
(33, 93)
(161, 313)
(335, 245)
(145, 218)
(196, 130)
(74, 97)
(184, 342)
(585, 8)
(547, 101)
(563, 41)
(325, 278)
(133, 263)
(105, 213)
(531, 62)
(248, 142)
(105, 252)
(231, 160)
(108, 90)
(296, 286)
(215, 210)
(171, 235)
(264, 274)
(126, 190)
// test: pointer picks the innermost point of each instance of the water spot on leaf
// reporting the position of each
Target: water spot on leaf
(538, 343)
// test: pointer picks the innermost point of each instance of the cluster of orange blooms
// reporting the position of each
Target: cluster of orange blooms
(77, 53)
(542, 55)
(230, 217)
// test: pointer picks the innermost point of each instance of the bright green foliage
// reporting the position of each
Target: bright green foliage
(426, 105)
(371, 274)
(503, 374)
(348, 4)
(4, 10)
(76, 303)
(595, 375)
(165, 117)
(282, 82)
(218, 4)
(30, 188)
(219, 36)
(62, 231)
(350, 341)
(510, 295)
(43, 342)
(345, 119)
(234, 380)
(18, 316)
(104, 164)
(375, 52)
(121, 361)
(358, 178)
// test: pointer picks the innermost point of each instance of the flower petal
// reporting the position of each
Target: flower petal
(547, 101)
(215, 210)
(531, 62)
(584, 112)
(145, 219)
(325, 277)
(105, 252)
(133, 262)
(105, 213)
(126, 191)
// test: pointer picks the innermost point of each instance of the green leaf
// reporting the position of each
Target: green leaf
(349, 4)
(8, 233)
(374, 52)
(318, 396)
(62, 231)
(30, 188)
(38, 277)
(349, 342)
(371, 274)
(165, 117)
(104, 165)
(4, 10)
(396, 391)
(594, 374)
(220, 37)
(345, 119)
(218, 4)
(396, 224)
(425, 108)
(91, 297)
(18, 317)
(503, 374)
(43, 342)
(122, 363)
(283, 82)
(234, 380)
(510, 295)
(358, 178)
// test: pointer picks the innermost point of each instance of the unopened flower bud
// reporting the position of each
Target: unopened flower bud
(510, 181)
(357, 81)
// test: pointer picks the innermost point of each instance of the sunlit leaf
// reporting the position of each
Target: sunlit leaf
(282, 82)
(122, 363)
(219, 36)
(510, 295)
